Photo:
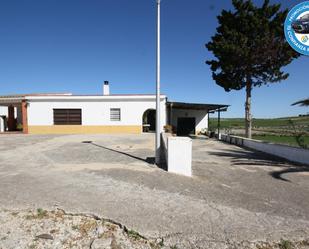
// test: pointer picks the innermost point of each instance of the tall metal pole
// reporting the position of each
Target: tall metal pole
(158, 123)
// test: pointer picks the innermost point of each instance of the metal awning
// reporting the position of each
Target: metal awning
(10, 101)
(197, 106)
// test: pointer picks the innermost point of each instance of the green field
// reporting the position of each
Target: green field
(292, 131)
(287, 140)
(288, 122)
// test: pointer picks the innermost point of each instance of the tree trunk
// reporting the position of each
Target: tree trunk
(248, 109)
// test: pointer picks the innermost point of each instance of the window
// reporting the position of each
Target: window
(115, 114)
(67, 116)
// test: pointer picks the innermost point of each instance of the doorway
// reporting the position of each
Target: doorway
(149, 120)
(185, 126)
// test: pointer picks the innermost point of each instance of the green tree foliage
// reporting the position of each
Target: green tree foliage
(250, 49)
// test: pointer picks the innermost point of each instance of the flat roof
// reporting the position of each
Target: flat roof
(35, 94)
(71, 95)
(17, 98)
(197, 106)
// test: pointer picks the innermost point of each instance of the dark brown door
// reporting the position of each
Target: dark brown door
(185, 126)
(11, 119)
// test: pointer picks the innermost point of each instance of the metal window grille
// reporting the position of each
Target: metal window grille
(67, 116)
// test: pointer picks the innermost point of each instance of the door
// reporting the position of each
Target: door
(185, 126)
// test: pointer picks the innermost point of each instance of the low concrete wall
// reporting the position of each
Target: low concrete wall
(293, 154)
(177, 153)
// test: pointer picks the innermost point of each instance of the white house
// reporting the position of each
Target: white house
(105, 113)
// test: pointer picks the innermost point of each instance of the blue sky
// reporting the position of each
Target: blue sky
(74, 45)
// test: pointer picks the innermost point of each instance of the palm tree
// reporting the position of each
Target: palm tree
(304, 102)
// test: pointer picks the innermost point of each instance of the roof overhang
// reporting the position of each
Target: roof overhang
(197, 106)
(6, 101)
(96, 97)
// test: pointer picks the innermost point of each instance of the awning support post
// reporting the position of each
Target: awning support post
(24, 116)
(208, 121)
(219, 124)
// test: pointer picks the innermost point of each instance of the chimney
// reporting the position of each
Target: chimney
(106, 88)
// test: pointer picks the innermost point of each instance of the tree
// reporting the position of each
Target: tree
(250, 49)
(304, 102)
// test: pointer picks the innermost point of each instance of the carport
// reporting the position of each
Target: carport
(192, 118)
(16, 118)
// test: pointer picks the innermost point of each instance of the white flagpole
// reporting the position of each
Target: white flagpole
(158, 123)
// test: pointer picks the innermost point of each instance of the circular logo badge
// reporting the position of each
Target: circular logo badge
(296, 28)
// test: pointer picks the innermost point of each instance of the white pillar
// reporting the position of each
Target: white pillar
(1, 124)
(179, 155)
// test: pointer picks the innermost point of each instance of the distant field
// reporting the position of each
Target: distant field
(292, 131)
(287, 140)
(260, 123)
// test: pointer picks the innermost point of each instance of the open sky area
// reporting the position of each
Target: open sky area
(74, 45)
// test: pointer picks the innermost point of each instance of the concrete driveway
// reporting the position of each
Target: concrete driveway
(236, 197)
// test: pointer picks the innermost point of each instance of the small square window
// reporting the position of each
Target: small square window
(115, 114)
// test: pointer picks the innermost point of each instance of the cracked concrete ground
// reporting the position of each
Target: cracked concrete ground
(236, 197)
(23, 229)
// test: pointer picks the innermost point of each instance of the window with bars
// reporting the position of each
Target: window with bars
(115, 114)
(67, 116)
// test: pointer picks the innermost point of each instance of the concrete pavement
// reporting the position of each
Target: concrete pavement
(236, 196)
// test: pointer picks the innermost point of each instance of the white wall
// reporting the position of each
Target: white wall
(95, 111)
(201, 117)
(288, 152)
(179, 159)
(3, 110)
(176, 152)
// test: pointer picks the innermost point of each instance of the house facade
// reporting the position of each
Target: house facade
(106, 113)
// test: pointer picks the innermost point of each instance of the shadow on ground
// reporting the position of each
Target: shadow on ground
(254, 158)
(148, 160)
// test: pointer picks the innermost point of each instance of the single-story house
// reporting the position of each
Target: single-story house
(106, 113)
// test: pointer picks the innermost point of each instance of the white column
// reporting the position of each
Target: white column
(1, 124)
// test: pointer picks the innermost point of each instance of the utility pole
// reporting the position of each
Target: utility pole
(158, 123)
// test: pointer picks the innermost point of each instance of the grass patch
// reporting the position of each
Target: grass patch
(285, 244)
(41, 213)
(135, 235)
(161, 243)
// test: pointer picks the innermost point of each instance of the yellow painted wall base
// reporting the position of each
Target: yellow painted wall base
(81, 129)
